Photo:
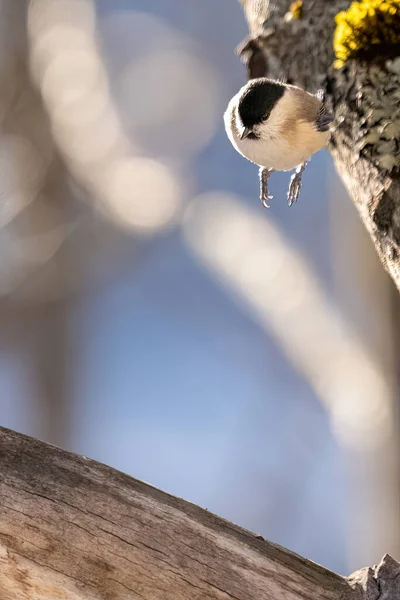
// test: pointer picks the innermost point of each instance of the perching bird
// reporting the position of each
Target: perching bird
(278, 127)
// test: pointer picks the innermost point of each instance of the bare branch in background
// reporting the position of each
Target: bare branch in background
(364, 96)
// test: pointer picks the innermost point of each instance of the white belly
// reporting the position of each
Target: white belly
(280, 155)
(273, 155)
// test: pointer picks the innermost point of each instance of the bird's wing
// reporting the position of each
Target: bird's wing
(324, 118)
(313, 108)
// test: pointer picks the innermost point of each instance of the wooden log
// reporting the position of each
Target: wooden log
(72, 528)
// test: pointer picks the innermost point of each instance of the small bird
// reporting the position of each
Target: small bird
(278, 127)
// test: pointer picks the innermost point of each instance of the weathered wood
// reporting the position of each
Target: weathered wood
(380, 583)
(363, 95)
(73, 528)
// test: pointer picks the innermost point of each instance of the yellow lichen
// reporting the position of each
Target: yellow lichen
(365, 26)
(296, 9)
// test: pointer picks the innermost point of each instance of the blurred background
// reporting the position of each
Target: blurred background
(154, 316)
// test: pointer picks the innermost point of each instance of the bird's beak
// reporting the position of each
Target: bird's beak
(245, 132)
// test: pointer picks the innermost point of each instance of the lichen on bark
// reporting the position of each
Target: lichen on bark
(363, 93)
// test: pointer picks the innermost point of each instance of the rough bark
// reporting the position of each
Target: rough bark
(363, 95)
(73, 528)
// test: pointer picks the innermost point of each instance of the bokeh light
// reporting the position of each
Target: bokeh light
(252, 258)
(143, 193)
(176, 109)
(21, 175)
(134, 192)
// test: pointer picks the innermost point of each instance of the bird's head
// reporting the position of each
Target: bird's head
(256, 101)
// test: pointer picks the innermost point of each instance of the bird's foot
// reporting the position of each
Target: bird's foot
(264, 175)
(295, 184)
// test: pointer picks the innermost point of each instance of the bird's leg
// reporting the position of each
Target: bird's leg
(295, 184)
(264, 175)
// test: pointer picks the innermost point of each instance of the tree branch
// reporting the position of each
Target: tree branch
(73, 528)
(364, 96)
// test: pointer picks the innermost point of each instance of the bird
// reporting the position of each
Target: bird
(278, 127)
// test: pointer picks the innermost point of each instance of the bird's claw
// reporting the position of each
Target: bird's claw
(294, 189)
(295, 185)
(264, 174)
(264, 201)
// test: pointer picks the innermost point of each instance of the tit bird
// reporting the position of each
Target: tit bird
(278, 127)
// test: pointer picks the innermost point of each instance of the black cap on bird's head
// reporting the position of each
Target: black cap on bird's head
(257, 102)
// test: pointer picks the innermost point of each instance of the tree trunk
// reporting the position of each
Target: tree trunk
(75, 529)
(363, 94)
